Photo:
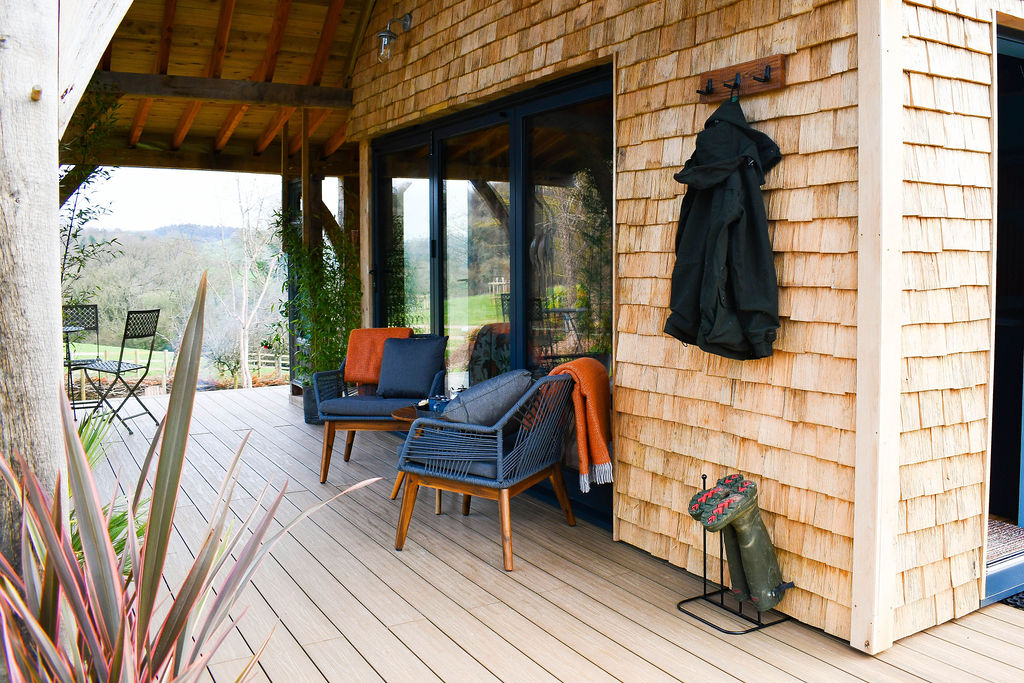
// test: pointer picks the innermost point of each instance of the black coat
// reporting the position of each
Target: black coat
(724, 291)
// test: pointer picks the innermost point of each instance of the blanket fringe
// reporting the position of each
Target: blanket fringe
(599, 474)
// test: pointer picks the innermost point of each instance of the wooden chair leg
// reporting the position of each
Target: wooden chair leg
(398, 485)
(325, 457)
(505, 516)
(558, 484)
(348, 444)
(465, 503)
(437, 501)
(405, 516)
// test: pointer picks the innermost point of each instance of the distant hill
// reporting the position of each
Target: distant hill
(193, 233)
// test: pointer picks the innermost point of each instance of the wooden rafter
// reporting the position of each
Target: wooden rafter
(107, 58)
(338, 136)
(223, 90)
(163, 58)
(213, 69)
(313, 75)
(263, 73)
(316, 117)
(336, 140)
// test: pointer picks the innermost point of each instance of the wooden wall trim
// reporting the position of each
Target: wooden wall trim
(1008, 20)
(880, 281)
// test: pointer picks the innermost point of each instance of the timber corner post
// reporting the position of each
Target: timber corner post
(30, 354)
(879, 278)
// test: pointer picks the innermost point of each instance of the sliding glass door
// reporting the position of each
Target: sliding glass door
(493, 227)
(477, 246)
(403, 231)
(569, 234)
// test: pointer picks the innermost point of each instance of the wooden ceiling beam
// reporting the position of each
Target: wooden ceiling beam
(243, 93)
(163, 59)
(213, 69)
(313, 75)
(263, 72)
(198, 155)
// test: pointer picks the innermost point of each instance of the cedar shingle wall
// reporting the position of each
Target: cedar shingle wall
(681, 412)
(946, 337)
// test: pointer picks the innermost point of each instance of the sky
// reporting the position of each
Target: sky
(149, 198)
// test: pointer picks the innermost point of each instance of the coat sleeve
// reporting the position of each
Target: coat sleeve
(752, 271)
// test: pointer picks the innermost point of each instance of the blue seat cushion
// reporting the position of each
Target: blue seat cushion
(485, 403)
(408, 366)
(364, 406)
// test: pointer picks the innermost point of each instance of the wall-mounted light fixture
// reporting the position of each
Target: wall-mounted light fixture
(387, 36)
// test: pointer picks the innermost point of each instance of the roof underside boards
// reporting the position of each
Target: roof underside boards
(234, 125)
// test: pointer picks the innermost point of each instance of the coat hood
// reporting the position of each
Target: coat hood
(726, 143)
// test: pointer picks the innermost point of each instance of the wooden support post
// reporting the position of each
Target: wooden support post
(306, 203)
(30, 341)
(880, 283)
(365, 228)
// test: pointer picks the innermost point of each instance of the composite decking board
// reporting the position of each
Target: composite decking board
(390, 660)
(510, 668)
(486, 547)
(806, 662)
(553, 539)
(573, 588)
(423, 511)
(964, 658)
(983, 622)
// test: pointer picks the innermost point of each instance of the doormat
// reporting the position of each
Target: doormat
(1015, 601)
(1005, 540)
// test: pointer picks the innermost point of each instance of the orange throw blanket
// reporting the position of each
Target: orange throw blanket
(365, 351)
(591, 399)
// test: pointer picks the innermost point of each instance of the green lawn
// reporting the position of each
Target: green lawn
(156, 369)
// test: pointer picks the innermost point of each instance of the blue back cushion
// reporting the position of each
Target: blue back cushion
(485, 403)
(408, 366)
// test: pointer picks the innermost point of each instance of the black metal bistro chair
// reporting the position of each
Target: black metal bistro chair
(137, 325)
(79, 319)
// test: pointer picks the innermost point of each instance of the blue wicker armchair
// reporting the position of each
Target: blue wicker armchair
(340, 404)
(495, 462)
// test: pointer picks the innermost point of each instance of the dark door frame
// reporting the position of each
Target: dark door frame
(585, 86)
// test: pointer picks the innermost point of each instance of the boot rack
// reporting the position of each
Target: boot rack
(717, 596)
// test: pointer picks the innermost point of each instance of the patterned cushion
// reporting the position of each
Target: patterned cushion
(487, 402)
(408, 366)
(365, 348)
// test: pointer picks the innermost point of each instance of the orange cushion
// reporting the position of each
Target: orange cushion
(365, 349)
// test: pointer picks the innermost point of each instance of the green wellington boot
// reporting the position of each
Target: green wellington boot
(739, 511)
(704, 500)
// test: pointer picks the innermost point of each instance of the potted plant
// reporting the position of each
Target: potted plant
(323, 305)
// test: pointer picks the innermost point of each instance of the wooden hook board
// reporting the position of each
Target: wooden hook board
(746, 71)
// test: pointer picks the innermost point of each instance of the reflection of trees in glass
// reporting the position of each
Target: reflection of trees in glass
(587, 220)
(570, 258)
(406, 277)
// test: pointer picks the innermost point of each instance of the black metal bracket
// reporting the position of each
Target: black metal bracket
(767, 75)
(734, 84)
(717, 596)
(708, 89)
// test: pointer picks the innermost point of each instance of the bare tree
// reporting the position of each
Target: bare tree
(250, 270)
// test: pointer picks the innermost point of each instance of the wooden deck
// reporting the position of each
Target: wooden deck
(342, 604)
